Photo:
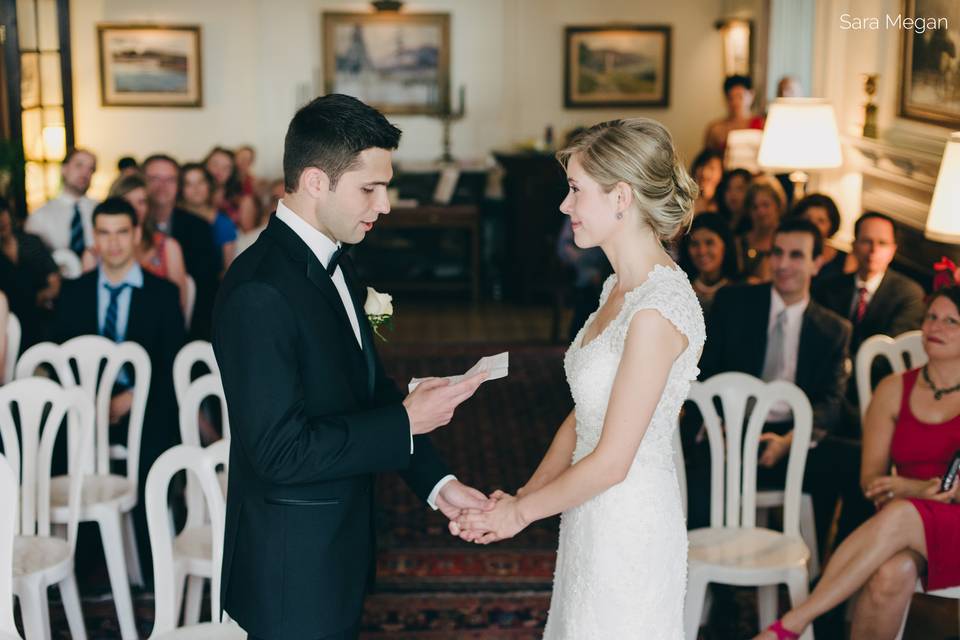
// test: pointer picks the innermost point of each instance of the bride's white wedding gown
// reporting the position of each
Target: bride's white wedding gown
(622, 561)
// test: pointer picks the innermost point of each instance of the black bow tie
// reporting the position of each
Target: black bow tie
(335, 258)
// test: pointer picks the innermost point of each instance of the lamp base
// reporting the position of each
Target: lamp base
(799, 180)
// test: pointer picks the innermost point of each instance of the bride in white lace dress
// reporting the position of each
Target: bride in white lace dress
(622, 561)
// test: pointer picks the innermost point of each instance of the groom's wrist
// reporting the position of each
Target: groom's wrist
(437, 488)
(524, 514)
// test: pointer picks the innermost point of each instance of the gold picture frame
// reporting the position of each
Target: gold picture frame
(398, 63)
(150, 65)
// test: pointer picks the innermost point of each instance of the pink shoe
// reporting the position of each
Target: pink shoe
(782, 632)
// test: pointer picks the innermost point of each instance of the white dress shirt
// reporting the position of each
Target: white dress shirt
(870, 285)
(780, 412)
(53, 220)
(323, 247)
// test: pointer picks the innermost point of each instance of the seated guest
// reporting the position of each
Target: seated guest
(822, 211)
(222, 165)
(776, 332)
(876, 299)
(709, 256)
(28, 277)
(274, 194)
(157, 252)
(913, 423)
(765, 203)
(731, 199)
(196, 195)
(64, 222)
(789, 87)
(707, 170)
(122, 302)
(738, 91)
(251, 221)
(194, 235)
(244, 157)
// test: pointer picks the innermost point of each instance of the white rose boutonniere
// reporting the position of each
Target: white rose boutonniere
(379, 310)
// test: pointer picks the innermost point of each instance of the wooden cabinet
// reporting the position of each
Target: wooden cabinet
(534, 186)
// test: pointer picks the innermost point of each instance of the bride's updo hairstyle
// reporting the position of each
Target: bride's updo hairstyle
(640, 153)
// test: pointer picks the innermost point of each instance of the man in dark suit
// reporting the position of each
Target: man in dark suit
(876, 299)
(312, 414)
(195, 235)
(122, 302)
(775, 332)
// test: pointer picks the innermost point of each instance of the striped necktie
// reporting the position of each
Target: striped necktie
(76, 231)
(110, 321)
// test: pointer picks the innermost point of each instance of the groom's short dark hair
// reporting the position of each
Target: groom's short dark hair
(329, 133)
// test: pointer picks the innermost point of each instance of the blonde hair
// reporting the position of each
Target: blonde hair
(769, 185)
(640, 153)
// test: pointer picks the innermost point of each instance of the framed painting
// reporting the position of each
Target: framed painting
(617, 66)
(150, 65)
(398, 63)
(930, 62)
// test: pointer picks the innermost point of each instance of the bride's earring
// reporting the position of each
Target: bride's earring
(619, 213)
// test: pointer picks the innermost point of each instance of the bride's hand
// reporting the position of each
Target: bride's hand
(504, 521)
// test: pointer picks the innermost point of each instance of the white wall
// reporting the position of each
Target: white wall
(262, 59)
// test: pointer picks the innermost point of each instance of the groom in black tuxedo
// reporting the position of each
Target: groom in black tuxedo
(313, 416)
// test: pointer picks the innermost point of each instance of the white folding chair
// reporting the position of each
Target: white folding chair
(107, 499)
(733, 550)
(168, 568)
(14, 332)
(192, 353)
(41, 560)
(9, 488)
(192, 545)
(68, 263)
(895, 351)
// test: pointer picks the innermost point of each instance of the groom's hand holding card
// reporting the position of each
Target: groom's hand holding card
(496, 367)
(432, 401)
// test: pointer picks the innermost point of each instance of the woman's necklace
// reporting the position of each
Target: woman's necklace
(937, 393)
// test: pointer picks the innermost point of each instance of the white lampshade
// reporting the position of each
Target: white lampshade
(943, 220)
(800, 133)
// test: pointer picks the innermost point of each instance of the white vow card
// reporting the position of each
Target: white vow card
(496, 367)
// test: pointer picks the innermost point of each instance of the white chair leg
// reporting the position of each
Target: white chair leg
(35, 626)
(808, 531)
(693, 605)
(134, 570)
(111, 532)
(179, 580)
(767, 605)
(799, 590)
(191, 615)
(71, 605)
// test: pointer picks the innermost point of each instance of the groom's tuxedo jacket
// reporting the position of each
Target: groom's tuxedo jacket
(312, 417)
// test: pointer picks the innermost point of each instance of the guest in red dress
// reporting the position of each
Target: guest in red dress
(912, 425)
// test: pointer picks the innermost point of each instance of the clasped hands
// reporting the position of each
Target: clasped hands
(883, 489)
(477, 518)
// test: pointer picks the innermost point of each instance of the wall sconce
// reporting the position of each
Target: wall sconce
(736, 34)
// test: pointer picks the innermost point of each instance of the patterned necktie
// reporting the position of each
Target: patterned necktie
(773, 361)
(335, 259)
(76, 231)
(860, 309)
(110, 321)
